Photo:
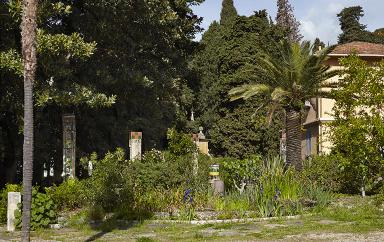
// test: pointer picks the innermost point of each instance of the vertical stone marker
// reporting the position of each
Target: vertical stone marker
(135, 145)
(13, 199)
(69, 145)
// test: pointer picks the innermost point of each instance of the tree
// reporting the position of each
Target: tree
(358, 130)
(226, 58)
(228, 12)
(380, 32)
(353, 30)
(144, 65)
(286, 19)
(28, 41)
(56, 86)
(114, 81)
(294, 77)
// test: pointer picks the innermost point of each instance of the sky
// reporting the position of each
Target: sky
(317, 17)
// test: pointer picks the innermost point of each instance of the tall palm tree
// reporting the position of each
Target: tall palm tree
(28, 41)
(293, 77)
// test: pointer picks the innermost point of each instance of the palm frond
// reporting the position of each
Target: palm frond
(279, 94)
(247, 91)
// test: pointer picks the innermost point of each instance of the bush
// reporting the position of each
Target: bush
(69, 195)
(107, 187)
(4, 200)
(180, 144)
(239, 173)
(95, 213)
(155, 183)
(324, 172)
(43, 211)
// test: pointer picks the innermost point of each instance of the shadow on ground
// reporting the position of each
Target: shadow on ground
(108, 226)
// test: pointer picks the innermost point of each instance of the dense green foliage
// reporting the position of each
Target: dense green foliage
(228, 12)
(227, 58)
(324, 172)
(84, 65)
(157, 182)
(69, 195)
(358, 129)
(238, 173)
(43, 211)
(353, 30)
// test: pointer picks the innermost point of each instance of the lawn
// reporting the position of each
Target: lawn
(349, 218)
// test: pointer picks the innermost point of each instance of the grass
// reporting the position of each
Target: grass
(349, 216)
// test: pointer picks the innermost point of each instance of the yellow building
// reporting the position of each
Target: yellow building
(315, 130)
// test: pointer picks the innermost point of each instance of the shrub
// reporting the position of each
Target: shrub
(180, 144)
(69, 195)
(323, 171)
(156, 182)
(95, 213)
(43, 211)
(4, 200)
(107, 186)
(239, 173)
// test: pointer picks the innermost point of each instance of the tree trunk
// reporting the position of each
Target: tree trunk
(293, 131)
(28, 41)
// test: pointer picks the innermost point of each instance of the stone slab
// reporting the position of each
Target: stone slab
(13, 199)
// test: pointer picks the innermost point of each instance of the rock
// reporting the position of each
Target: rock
(55, 226)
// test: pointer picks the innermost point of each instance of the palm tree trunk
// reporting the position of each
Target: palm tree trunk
(28, 41)
(293, 131)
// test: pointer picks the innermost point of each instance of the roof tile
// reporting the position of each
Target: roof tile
(360, 48)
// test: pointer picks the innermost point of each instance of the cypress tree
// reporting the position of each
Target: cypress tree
(286, 19)
(228, 12)
(350, 24)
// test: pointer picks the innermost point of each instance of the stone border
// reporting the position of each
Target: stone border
(216, 221)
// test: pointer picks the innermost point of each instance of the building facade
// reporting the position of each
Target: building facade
(315, 134)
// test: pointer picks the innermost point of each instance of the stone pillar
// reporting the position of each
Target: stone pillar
(69, 145)
(135, 145)
(90, 168)
(13, 199)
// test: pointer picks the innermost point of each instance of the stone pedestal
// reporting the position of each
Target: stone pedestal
(218, 187)
(201, 142)
(13, 199)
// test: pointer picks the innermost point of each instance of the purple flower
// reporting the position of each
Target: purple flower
(188, 196)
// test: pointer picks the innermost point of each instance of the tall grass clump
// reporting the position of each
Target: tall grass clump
(277, 191)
